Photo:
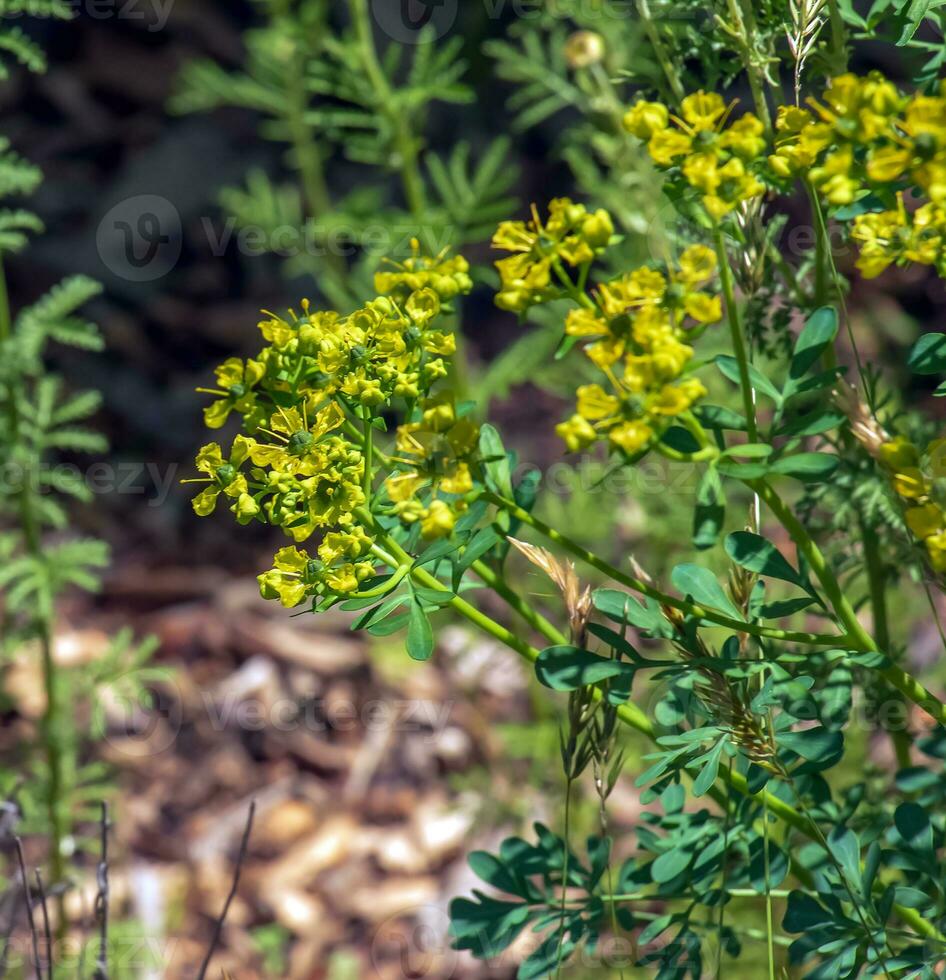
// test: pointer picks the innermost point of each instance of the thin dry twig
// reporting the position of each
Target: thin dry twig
(47, 932)
(34, 935)
(218, 925)
(102, 898)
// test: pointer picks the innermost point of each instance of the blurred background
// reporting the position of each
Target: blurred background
(373, 775)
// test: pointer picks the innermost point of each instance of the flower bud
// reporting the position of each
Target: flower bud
(583, 49)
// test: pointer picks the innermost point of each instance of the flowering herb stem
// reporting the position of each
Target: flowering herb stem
(736, 335)
(394, 555)
(638, 585)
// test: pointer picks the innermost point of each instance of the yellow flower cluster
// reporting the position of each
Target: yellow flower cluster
(718, 158)
(309, 402)
(636, 328)
(435, 451)
(447, 276)
(535, 272)
(915, 477)
(864, 136)
(899, 237)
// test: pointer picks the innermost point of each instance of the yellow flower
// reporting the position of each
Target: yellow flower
(439, 520)
(925, 520)
(898, 454)
(446, 277)
(569, 235)
(703, 110)
(910, 483)
(577, 433)
(236, 380)
(716, 159)
(936, 549)
(347, 577)
(224, 476)
(644, 119)
(631, 437)
(697, 265)
(286, 581)
(898, 237)
(595, 403)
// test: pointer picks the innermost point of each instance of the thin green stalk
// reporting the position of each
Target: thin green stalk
(847, 887)
(5, 319)
(838, 39)
(638, 585)
(769, 928)
(822, 247)
(368, 449)
(743, 31)
(828, 257)
(736, 334)
(517, 603)
(722, 905)
(659, 51)
(562, 912)
(396, 115)
(878, 599)
(307, 157)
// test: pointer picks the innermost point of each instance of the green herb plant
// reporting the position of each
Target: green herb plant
(402, 508)
(55, 787)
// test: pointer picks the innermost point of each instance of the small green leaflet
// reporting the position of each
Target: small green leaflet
(729, 368)
(701, 586)
(929, 354)
(819, 331)
(420, 635)
(710, 511)
(762, 557)
(567, 668)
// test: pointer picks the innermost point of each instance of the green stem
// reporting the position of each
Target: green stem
(368, 449)
(736, 334)
(307, 157)
(565, 861)
(743, 31)
(517, 603)
(659, 51)
(838, 39)
(638, 585)
(396, 115)
(822, 247)
(878, 599)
